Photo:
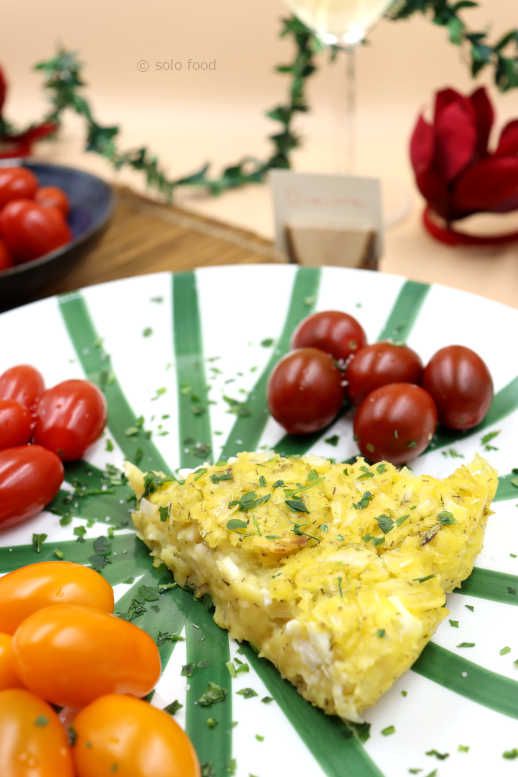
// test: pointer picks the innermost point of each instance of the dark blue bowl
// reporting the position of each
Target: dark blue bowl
(91, 205)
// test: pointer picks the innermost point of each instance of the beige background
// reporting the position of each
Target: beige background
(190, 116)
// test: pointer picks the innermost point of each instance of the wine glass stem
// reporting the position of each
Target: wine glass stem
(350, 109)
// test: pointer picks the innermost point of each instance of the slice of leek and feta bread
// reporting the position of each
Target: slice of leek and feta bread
(336, 573)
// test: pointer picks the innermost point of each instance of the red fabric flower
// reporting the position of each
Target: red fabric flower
(19, 144)
(454, 169)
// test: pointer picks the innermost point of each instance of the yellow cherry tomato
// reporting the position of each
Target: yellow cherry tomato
(30, 588)
(71, 655)
(130, 738)
(33, 743)
(8, 675)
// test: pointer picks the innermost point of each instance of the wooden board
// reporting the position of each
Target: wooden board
(145, 237)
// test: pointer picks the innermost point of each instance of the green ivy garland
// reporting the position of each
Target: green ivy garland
(64, 84)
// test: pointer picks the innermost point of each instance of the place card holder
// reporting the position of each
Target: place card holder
(327, 219)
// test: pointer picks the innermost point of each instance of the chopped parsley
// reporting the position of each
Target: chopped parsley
(278, 484)
(249, 501)
(262, 481)
(147, 332)
(505, 650)
(361, 730)
(423, 579)
(102, 553)
(466, 645)
(469, 607)
(41, 721)
(168, 636)
(364, 501)
(153, 481)
(446, 518)
(340, 589)
(510, 755)
(236, 667)
(211, 722)
(163, 513)
(236, 407)
(463, 748)
(267, 342)
(381, 468)
(109, 447)
(381, 633)
(487, 438)
(454, 624)
(388, 731)
(267, 699)
(236, 524)
(217, 477)
(189, 669)
(375, 540)
(452, 453)
(298, 505)
(247, 693)
(436, 754)
(385, 523)
(213, 695)
(173, 707)
(38, 541)
(332, 440)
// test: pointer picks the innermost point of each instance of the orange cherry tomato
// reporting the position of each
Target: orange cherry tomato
(35, 586)
(53, 197)
(33, 743)
(71, 655)
(8, 676)
(128, 737)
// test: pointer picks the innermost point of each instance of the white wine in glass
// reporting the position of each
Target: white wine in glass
(342, 23)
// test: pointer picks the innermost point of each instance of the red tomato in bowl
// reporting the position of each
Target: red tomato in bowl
(15, 424)
(331, 331)
(6, 259)
(23, 384)
(31, 230)
(53, 197)
(71, 655)
(305, 391)
(461, 386)
(395, 423)
(379, 364)
(131, 738)
(70, 417)
(33, 743)
(16, 183)
(30, 477)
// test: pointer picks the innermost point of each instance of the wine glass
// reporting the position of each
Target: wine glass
(342, 23)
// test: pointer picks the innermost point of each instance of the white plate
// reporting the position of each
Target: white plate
(153, 343)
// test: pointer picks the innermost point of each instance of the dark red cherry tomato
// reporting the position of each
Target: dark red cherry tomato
(332, 331)
(305, 391)
(31, 230)
(15, 424)
(69, 418)
(53, 197)
(23, 384)
(395, 422)
(16, 183)
(6, 259)
(379, 364)
(30, 477)
(461, 386)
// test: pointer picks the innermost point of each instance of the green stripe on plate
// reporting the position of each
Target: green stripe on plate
(504, 403)
(246, 432)
(122, 547)
(329, 739)
(507, 487)
(488, 584)
(207, 645)
(163, 617)
(125, 427)
(405, 311)
(193, 409)
(208, 653)
(495, 691)
(397, 327)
